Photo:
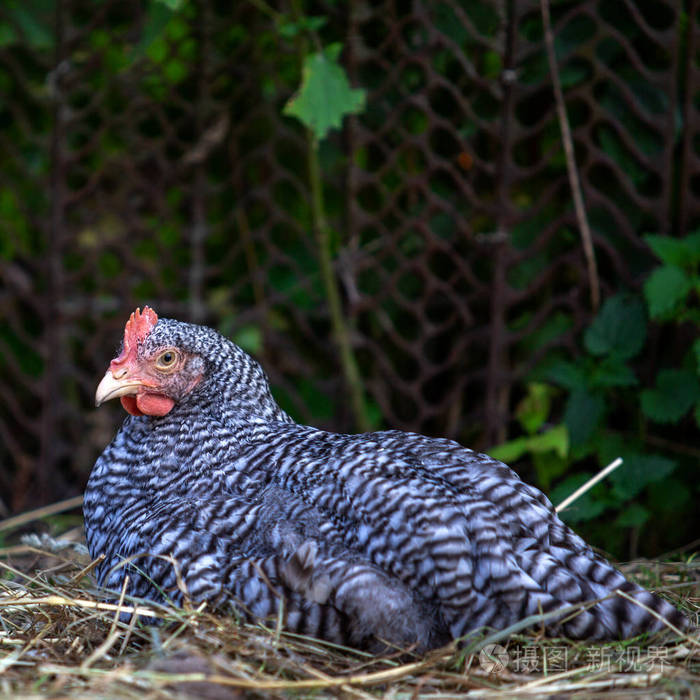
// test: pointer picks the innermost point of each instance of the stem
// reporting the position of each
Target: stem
(341, 333)
(574, 181)
(32, 515)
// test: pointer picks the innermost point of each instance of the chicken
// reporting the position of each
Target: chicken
(211, 491)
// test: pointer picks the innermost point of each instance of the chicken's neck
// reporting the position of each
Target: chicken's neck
(237, 394)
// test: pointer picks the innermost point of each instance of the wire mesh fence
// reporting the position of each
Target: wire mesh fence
(146, 159)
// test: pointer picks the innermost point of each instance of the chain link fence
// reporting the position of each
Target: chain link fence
(145, 159)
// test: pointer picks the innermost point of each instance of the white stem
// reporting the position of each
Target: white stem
(589, 484)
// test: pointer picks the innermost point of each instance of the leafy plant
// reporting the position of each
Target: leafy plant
(672, 291)
(548, 446)
(601, 387)
(605, 414)
(325, 97)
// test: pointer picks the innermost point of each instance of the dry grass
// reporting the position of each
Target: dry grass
(59, 639)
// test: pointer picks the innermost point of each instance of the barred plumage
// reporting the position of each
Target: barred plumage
(382, 536)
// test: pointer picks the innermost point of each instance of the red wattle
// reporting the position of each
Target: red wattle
(129, 404)
(147, 404)
(154, 404)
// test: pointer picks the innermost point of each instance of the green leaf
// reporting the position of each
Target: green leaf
(534, 409)
(582, 415)
(633, 516)
(678, 252)
(153, 32)
(250, 338)
(671, 251)
(610, 446)
(611, 372)
(510, 451)
(34, 25)
(619, 329)
(555, 440)
(638, 471)
(566, 374)
(556, 325)
(548, 466)
(665, 289)
(671, 495)
(325, 96)
(692, 246)
(675, 393)
(290, 29)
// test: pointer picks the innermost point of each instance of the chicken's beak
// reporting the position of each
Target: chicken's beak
(110, 387)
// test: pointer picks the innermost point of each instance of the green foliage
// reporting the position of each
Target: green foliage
(619, 329)
(666, 289)
(603, 385)
(34, 24)
(675, 393)
(672, 291)
(534, 409)
(325, 97)
(304, 25)
(547, 446)
(583, 414)
(635, 515)
(249, 338)
(639, 471)
(679, 252)
(555, 440)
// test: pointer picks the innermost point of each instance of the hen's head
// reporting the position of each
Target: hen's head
(164, 362)
(158, 366)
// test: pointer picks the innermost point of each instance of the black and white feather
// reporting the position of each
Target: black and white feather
(381, 536)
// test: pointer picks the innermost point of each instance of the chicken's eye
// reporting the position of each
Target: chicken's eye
(166, 360)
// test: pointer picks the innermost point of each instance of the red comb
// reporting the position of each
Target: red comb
(139, 325)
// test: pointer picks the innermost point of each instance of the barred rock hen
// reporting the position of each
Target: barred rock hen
(383, 536)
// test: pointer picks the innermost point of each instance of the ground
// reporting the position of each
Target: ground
(58, 639)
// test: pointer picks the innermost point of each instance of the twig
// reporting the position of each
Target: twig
(87, 569)
(127, 636)
(30, 516)
(252, 684)
(186, 624)
(15, 657)
(567, 141)
(589, 484)
(63, 601)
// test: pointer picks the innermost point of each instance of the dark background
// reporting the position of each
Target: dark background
(145, 159)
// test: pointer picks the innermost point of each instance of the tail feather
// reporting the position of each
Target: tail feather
(584, 577)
